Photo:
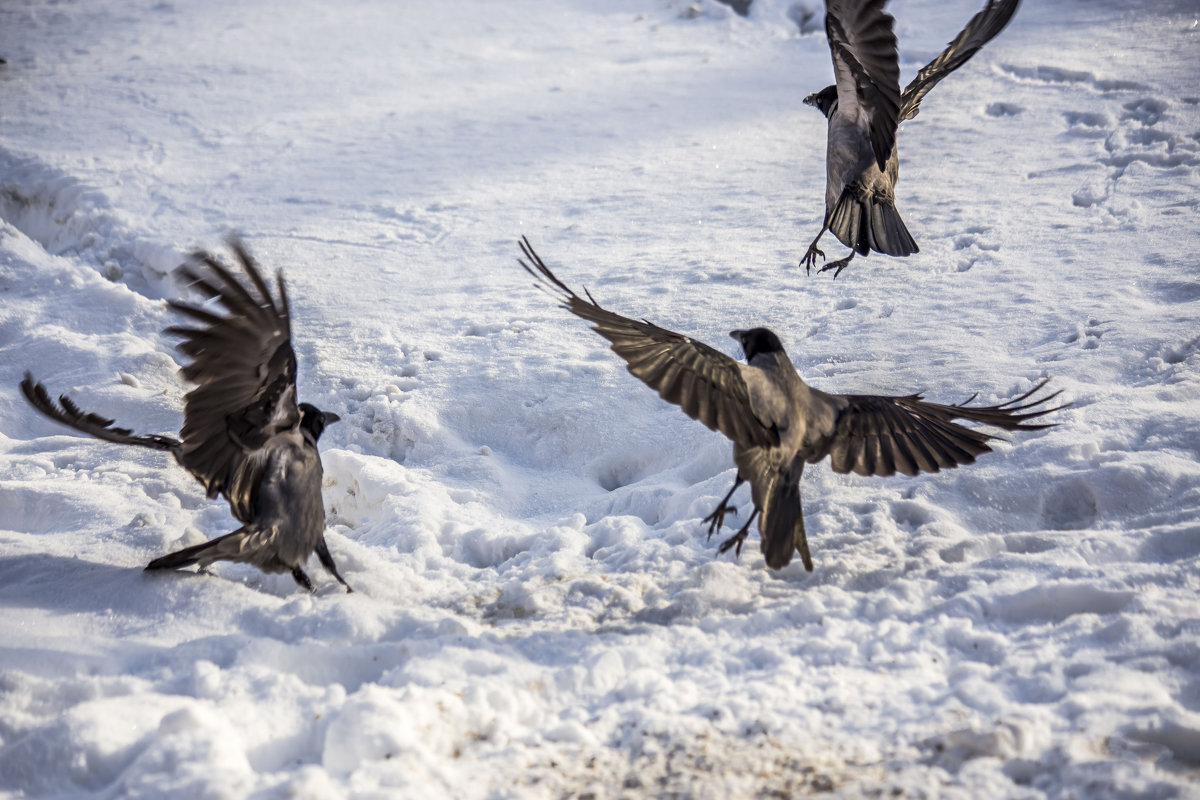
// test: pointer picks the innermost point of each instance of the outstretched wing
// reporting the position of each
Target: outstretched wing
(705, 383)
(867, 69)
(244, 370)
(66, 412)
(982, 28)
(876, 435)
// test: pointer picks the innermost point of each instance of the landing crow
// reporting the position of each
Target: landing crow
(244, 435)
(778, 423)
(864, 108)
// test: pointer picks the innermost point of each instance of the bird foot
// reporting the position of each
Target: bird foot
(717, 518)
(838, 265)
(736, 541)
(810, 259)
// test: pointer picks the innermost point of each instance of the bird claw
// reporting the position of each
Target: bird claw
(810, 259)
(838, 266)
(717, 518)
(734, 543)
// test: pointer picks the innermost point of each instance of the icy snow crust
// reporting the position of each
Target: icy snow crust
(538, 613)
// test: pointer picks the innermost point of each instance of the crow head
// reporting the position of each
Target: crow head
(314, 420)
(824, 101)
(756, 341)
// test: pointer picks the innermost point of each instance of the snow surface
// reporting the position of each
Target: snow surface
(538, 613)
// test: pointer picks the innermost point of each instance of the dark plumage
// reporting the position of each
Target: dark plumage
(778, 423)
(864, 108)
(244, 436)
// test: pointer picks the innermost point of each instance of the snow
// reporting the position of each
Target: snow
(537, 610)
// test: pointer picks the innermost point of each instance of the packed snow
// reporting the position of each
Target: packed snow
(538, 612)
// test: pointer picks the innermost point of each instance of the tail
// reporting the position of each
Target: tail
(868, 223)
(70, 415)
(782, 525)
(223, 548)
(776, 495)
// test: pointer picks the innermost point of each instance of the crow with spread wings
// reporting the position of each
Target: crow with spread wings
(864, 108)
(778, 423)
(244, 436)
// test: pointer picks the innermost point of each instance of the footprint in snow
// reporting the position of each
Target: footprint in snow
(1088, 333)
(1069, 506)
(1147, 110)
(1059, 75)
(1003, 110)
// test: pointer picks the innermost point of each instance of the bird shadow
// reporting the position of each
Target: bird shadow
(72, 584)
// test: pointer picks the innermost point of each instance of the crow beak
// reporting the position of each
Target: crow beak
(330, 417)
(738, 335)
(811, 100)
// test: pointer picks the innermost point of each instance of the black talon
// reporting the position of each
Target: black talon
(810, 258)
(839, 265)
(738, 539)
(717, 518)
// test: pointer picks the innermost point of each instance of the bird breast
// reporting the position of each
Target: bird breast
(289, 497)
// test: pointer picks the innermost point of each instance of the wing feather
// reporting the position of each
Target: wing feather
(704, 382)
(867, 69)
(982, 28)
(244, 369)
(877, 435)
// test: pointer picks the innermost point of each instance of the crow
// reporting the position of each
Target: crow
(244, 436)
(778, 423)
(864, 109)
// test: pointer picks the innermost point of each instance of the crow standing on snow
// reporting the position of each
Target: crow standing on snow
(778, 423)
(244, 437)
(864, 109)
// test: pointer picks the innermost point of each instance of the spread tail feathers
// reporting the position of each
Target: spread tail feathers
(866, 224)
(72, 416)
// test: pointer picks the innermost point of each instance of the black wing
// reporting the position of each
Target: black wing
(705, 383)
(883, 435)
(867, 68)
(71, 415)
(245, 371)
(979, 31)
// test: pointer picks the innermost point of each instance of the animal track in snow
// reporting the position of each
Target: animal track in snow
(1147, 110)
(1069, 506)
(1088, 119)
(1089, 333)
(1003, 109)
(1048, 74)
(411, 224)
(1143, 134)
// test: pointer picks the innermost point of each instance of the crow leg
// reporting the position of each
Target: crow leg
(839, 265)
(302, 579)
(738, 538)
(326, 559)
(717, 518)
(810, 257)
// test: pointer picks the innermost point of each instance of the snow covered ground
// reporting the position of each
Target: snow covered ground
(538, 613)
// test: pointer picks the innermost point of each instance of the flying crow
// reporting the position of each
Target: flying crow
(864, 109)
(778, 423)
(244, 435)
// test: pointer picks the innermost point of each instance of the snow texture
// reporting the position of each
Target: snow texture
(538, 612)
